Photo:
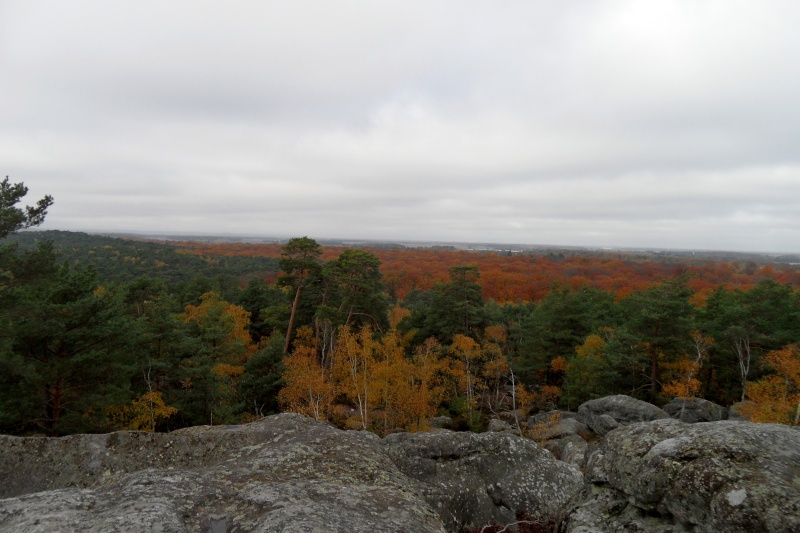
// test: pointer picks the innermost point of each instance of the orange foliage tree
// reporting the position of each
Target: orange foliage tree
(776, 397)
(354, 369)
(142, 413)
(495, 369)
(402, 398)
(387, 390)
(308, 389)
(225, 345)
(683, 372)
(223, 327)
(467, 354)
(435, 381)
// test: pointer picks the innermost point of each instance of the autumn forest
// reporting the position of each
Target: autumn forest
(99, 333)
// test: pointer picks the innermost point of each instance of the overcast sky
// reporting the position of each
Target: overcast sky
(607, 123)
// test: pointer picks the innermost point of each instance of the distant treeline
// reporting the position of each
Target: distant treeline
(124, 260)
(529, 276)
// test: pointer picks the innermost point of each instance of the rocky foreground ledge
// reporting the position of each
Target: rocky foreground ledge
(285, 473)
(288, 473)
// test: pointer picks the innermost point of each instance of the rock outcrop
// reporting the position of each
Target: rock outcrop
(605, 414)
(694, 410)
(440, 422)
(285, 473)
(289, 473)
(562, 434)
(472, 479)
(669, 476)
(566, 427)
(496, 425)
(570, 449)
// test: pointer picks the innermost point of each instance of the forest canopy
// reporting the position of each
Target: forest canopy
(100, 333)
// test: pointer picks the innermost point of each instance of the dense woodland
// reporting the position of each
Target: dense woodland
(98, 334)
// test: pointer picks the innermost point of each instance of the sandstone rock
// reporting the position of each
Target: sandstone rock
(285, 473)
(496, 425)
(570, 449)
(560, 433)
(573, 452)
(605, 414)
(694, 410)
(473, 479)
(667, 475)
(440, 422)
(565, 428)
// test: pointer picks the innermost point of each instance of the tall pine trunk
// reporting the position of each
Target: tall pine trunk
(291, 317)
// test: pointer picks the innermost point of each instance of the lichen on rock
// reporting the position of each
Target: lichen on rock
(668, 475)
(284, 473)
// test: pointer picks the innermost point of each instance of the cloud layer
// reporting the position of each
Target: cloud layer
(610, 123)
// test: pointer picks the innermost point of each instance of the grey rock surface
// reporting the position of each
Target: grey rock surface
(440, 422)
(473, 479)
(570, 448)
(573, 452)
(566, 438)
(285, 473)
(606, 414)
(694, 410)
(497, 425)
(566, 428)
(669, 476)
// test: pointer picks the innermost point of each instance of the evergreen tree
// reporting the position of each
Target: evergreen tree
(262, 379)
(455, 308)
(67, 353)
(557, 326)
(301, 266)
(13, 219)
(657, 325)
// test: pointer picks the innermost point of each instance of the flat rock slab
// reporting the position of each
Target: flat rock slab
(285, 473)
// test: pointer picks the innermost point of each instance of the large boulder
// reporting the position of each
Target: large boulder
(605, 414)
(440, 423)
(571, 449)
(497, 425)
(694, 410)
(472, 479)
(564, 428)
(285, 473)
(669, 476)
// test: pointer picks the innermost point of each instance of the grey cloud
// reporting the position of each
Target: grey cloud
(604, 123)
